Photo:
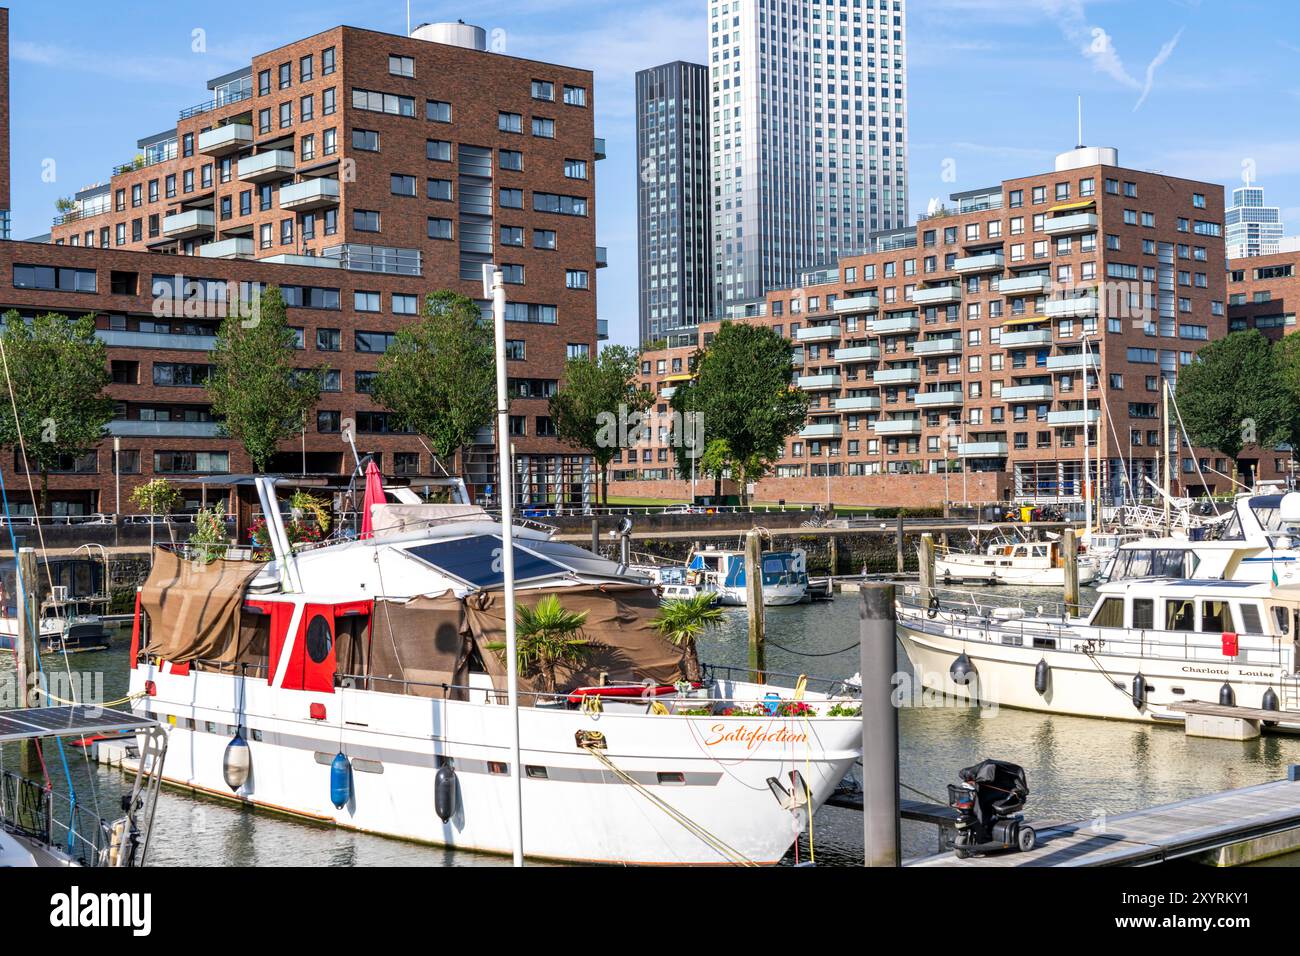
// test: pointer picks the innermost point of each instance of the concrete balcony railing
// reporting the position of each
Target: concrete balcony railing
(898, 426)
(185, 225)
(858, 403)
(310, 194)
(821, 430)
(136, 429)
(818, 383)
(1027, 393)
(223, 140)
(272, 164)
(981, 449)
(1024, 285)
(856, 303)
(240, 247)
(1076, 416)
(858, 353)
(1072, 363)
(819, 333)
(156, 340)
(668, 392)
(896, 376)
(939, 295)
(986, 262)
(896, 325)
(1071, 308)
(940, 399)
(939, 346)
(1064, 225)
(1026, 338)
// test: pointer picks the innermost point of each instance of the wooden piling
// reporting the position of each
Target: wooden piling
(834, 556)
(925, 560)
(29, 641)
(754, 604)
(1070, 565)
(898, 542)
(595, 536)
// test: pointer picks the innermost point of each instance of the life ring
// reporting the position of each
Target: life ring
(933, 609)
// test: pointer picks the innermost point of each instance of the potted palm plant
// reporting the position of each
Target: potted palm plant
(683, 620)
(546, 637)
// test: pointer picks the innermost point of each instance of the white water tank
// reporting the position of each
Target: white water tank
(1087, 156)
(459, 33)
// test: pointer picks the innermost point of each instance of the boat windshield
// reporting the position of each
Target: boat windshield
(1153, 563)
(1268, 510)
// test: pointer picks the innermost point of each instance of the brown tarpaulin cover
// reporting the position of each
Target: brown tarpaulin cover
(424, 641)
(193, 608)
(626, 646)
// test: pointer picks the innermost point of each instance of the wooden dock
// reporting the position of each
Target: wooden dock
(1225, 829)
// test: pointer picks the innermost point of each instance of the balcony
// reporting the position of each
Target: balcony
(986, 262)
(1072, 363)
(1071, 308)
(668, 392)
(1024, 285)
(981, 449)
(896, 376)
(898, 426)
(236, 248)
(391, 260)
(292, 259)
(1027, 393)
(939, 295)
(129, 428)
(156, 340)
(1073, 417)
(942, 346)
(223, 140)
(941, 399)
(858, 403)
(856, 303)
(821, 430)
(186, 225)
(818, 383)
(1064, 225)
(310, 194)
(598, 148)
(894, 326)
(602, 257)
(819, 333)
(602, 330)
(1026, 339)
(858, 353)
(272, 164)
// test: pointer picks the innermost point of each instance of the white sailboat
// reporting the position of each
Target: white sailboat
(1024, 562)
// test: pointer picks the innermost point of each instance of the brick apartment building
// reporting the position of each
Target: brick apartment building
(358, 171)
(950, 360)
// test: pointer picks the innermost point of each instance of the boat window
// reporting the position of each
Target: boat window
(1040, 550)
(1109, 613)
(1180, 616)
(1144, 613)
(1250, 622)
(1283, 620)
(1268, 511)
(1230, 530)
(1216, 616)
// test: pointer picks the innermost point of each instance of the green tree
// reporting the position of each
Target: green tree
(56, 371)
(745, 395)
(1236, 394)
(599, 405)
(438, 376)
(683, 620)
(1286, 356)
(546, 637)
(256, 391)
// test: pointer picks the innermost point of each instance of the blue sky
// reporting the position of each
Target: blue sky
(1196, 88)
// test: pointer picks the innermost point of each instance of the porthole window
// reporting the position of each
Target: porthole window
(319, 639)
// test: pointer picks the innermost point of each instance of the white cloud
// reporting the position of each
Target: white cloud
(1165, 52)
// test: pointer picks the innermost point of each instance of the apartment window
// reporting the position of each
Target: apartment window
(365, 220)
(575, 168)
(1016, 198)
(187, 144)
(510, 122)
(365, 139)
(153, 190)
(405, 304)
(543, 238)
(1112, 186)
(328, 422)
(1198, 200)
(227, 210)
(512, 236)
(307, 146)
(1131, 190)
(562, 205)
(1039, 194)
(373, 342)
(286, 232)
(543, 90)
(137, 195)
(512, 198)
(437, 111)
(264, 120)
(576, 279)
(121, 233)
(512, 274)
(379, 102)
(543, 127)
(330, 142)
(401, 65)
(264, 83)
(154, 230)
(513, 160)
(286, 75)
(329, 340)
(328, 102)
(579, 350)
(286, 114)
(246, 202)
(1087, 187)
(265, 240)
(439, 228)
(327, 61)
(438, 150)
(305, 72)
(401, 184)
(265, 197)
(575, 95)
(307, 108)
(1062, 192)
(366, 301)
(54, 279)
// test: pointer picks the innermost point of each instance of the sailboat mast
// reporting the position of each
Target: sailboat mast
(1087, 477)
(1164, 445)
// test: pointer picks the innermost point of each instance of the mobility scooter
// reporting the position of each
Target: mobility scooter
(988, 801)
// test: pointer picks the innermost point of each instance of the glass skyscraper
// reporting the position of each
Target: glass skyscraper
(1250, 227)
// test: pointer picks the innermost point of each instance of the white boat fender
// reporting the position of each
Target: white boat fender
(1227, 697)
(340, 780)
(444, 791)
(1042, 673)
(1139, 691)
(962, 670)
(236, 763)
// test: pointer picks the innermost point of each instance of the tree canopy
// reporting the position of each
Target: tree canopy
(255, 389)
(438, 376)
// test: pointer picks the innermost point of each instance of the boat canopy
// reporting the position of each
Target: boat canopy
(193, 607)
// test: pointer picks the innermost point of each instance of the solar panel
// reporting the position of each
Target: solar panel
(73, 721)
(477, 561)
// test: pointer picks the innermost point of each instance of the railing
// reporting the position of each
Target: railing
(209, 105)
(384, 259)
(32, 810)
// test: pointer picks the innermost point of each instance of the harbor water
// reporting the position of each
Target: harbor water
(1077, 768)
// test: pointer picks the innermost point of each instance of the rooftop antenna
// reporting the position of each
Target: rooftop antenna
(408, 17)
(1080, 140)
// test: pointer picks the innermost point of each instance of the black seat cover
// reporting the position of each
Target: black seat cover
(1000, 790)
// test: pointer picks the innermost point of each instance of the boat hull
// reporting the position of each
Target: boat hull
(995, 570)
